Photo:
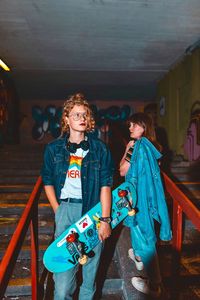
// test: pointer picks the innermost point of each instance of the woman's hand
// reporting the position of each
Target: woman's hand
(104, 231)
(129, 145)
(124, 165)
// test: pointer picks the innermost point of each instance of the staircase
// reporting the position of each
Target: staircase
(187, 176)
(19, 169)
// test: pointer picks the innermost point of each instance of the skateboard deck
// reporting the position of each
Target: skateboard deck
(74, 244)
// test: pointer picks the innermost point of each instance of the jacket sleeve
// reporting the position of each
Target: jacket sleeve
(165, 227)
(47, 167)
(106, 167)
(159, 208)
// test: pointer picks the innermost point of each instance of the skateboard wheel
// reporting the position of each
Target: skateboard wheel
(71, 238)
(122, 193)
(132, 212)
(98, 226)
(82, 260)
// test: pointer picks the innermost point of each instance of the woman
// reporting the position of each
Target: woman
(77, 174)
(140, 166)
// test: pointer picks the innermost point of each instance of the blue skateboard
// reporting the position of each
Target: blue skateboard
(74, 245)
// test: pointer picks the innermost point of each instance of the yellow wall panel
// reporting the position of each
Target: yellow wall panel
(181, 89)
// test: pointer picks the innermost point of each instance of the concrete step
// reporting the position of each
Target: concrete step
(25, 252)
(117, 296)
(190, 234)
(19, 148)
(182, 164)
(11, 203)
(13, 188)
(44, 240)
(112, 289)
(18, 180)
(20, 283)
(21, 165)
(181, 177)
(8, 225)
(17, 196)
(21, 157)
(193, 185)
(44, 209)
(20, 172)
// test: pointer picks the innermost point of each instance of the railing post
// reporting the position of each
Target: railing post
(177, 226)
(34, 252)
(176, 247)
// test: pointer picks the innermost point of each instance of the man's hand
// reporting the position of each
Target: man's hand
(104, 231)
(51, 196)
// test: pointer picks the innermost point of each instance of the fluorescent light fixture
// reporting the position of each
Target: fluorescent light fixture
(4, 66)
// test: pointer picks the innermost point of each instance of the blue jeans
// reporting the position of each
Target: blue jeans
(65, 282)
(148, 254)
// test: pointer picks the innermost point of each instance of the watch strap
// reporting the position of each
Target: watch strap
(105, 219)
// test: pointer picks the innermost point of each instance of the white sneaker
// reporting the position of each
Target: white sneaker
(139, 264)
(142, 285)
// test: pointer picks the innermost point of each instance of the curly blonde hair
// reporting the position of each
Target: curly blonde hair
(76, 99)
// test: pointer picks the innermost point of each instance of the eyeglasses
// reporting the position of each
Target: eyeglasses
(78, 116)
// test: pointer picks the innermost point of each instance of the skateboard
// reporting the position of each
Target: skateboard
(75, 244)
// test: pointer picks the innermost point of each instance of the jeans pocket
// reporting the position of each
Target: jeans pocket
(57, 213)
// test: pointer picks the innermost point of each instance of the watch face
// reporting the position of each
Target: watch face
(107, 219)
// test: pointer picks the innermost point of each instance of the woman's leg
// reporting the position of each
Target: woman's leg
(148, 254)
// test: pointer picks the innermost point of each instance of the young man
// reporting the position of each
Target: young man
(77, 174)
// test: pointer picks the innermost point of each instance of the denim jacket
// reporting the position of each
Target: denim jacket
(144, 174)
(96, 169)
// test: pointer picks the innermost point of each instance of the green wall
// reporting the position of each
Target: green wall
(180, 89)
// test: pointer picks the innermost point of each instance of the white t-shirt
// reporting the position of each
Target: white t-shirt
(72, 187)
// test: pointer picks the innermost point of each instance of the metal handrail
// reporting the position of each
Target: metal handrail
(181, 203)
(28, 218)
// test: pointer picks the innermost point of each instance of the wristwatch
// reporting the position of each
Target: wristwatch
(105, 219)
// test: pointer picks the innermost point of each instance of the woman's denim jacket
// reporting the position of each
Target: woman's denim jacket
(144, 174)
(96, 169)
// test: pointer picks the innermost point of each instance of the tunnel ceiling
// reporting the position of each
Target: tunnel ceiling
(111, 49)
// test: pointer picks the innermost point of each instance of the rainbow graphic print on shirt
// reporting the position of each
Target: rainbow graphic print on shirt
(72, 187)
(74, 170)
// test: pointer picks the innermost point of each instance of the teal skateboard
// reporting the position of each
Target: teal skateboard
(75, 244)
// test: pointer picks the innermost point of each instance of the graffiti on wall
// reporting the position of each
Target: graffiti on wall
(47, 120)
(192, 143)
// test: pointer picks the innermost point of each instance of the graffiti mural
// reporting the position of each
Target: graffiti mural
(47, 120)
(192, 143)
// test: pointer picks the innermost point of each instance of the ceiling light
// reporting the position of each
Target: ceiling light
(4, 66)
